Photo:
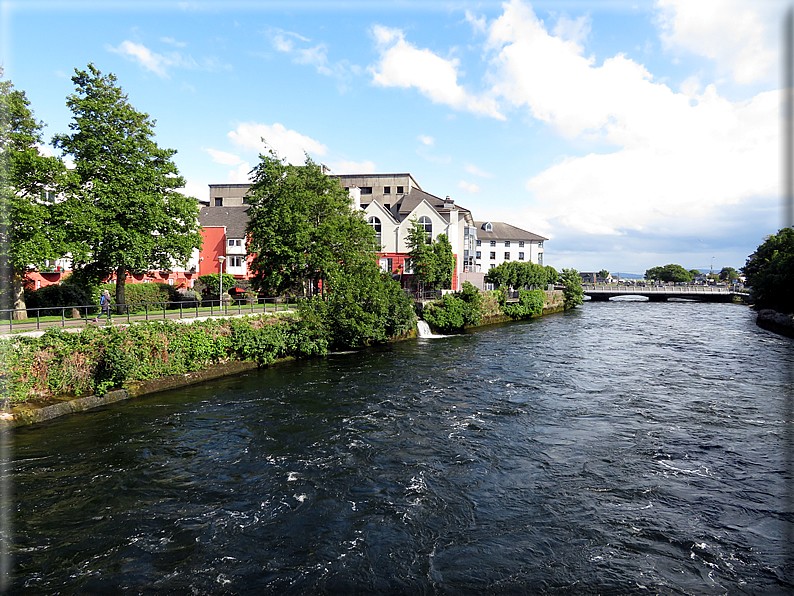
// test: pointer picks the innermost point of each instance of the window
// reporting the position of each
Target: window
(375, 223)
(520, 244)
(399, 190)
(492, 255)
(540, 244)
(387, 205)
(491, 266)
(425, 222)
(540, 259)
(366, 190)
(507, 256)
(479, 254)
(487, 226)
(521, 256)
(387, 190)
(235, 262)
(219, 201)
(507, 244)
(493, 242)
(235, 242)
(479, 243)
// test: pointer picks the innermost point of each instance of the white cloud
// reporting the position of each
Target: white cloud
(287, 143)
(403, 65)
(429, 141)
(227, 159)
(173, 42)
(472, 169)
(734, 33)
(316, 56)
(353, 167)
(159, 63)
(479, 24)
(241, 174)
(469, 188)
(196, 190)
(575, 30)
(670, 158)
(143, 56)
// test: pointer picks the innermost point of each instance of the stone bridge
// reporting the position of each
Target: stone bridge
(663, 293)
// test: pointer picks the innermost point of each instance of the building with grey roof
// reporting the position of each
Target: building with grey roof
(499, 242)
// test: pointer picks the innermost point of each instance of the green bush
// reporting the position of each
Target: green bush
(138, 294)
(56, 296)
(530, 303)
(572, 288)
(454, 311)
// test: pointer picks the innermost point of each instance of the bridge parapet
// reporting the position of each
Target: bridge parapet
(662, 293)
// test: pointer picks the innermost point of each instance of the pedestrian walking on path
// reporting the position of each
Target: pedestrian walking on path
(104, 303)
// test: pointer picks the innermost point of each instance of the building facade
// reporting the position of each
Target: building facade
(499, 242)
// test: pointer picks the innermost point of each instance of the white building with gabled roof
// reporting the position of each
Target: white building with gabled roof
(499, 242)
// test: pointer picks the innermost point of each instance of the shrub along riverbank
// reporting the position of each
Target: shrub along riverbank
(100, 359)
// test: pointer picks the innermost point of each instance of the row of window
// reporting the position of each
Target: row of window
(507, 243)
(367, 190)
(492, 256)
(235, 261)
(424, 221)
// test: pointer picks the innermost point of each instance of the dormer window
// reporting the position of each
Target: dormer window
(487, 226)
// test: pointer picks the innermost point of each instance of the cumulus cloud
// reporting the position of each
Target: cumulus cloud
(241, 174)
(472, 169)
(731, 32)
(404, 65)
(429, 141)
(669, 155)
(227, 159)
(289, 144)
(468, 187)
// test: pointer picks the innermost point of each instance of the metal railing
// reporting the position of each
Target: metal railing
(661, 289)
(72, 316)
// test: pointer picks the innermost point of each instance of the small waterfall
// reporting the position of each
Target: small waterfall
(423, 329)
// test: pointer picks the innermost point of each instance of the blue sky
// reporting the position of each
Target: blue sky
(632, 134)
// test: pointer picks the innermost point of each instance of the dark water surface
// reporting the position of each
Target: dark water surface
(617, 449)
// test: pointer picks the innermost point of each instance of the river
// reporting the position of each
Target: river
(620, 448)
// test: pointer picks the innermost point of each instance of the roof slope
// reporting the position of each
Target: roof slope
(235, 219)
(504, 231)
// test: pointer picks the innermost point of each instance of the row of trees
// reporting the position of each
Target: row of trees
(517, 274)
(677, 274)
(118, 210)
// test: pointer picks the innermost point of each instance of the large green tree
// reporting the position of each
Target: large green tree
(572, 288)
(125, 211)
(432, 261)
(770, 272)
(302, 227)
(672, 272)
(728, 274)
(30, 228)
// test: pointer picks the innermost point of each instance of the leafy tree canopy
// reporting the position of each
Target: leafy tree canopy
(728, 274)
(302, 226)
(125, 212)
(770, 272)
(672, 273)
(30, 223)
(572, 288)
(433, 261)
(518, 274)
(603, 273)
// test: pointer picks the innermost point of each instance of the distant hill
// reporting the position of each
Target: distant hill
(627, 275)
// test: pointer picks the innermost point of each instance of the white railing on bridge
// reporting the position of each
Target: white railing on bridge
(605, 289)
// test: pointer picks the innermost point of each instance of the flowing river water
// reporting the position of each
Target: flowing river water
(621, 448)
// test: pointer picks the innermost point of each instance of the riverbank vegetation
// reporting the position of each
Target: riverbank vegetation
(770, 272)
